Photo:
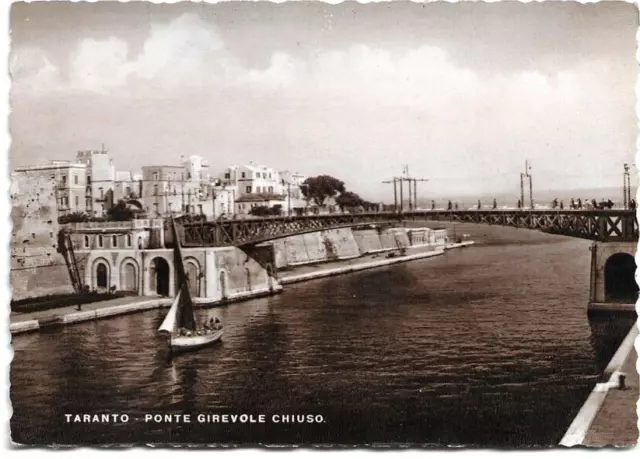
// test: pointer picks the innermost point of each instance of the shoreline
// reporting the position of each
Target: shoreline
(619, 389)
(94, 311)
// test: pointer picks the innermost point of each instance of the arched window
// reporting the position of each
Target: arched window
(128, 238)
(100, 241)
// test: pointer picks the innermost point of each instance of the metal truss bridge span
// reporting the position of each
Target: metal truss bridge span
(597, 225)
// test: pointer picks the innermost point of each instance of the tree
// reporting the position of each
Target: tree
(75, 217)
(349, 200)
(321, 187)
(120, 212)
(264, 211)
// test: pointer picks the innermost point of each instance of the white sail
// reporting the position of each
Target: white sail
(169, 322)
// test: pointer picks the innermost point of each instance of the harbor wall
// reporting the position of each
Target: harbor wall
(316, 247)
(37, 269)
(345, 243)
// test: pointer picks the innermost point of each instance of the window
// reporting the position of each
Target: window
(75, 179)
(88, 203)
(64, 179)
(101, 192)
(269, 174)
(248, 189)
(270, 189)
(257, 189)
(200, 208)
(77, 201)
(243, 175)
(100, 241)
(86, 241)
(88, 180)
(227, 175)
(114, 241)
(155, 176)
(155, 190)
(128, 240)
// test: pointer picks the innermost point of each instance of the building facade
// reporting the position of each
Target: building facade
(69, 183)
(100, 178)
(172, 190)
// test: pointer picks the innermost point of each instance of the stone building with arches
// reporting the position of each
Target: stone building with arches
(130, 257)
(613, 276)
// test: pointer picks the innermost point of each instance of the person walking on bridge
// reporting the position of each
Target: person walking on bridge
(495, 203)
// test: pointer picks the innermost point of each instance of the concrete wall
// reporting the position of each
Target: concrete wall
(37, 269)
(345, 243)
(317, 247)
(600, 253)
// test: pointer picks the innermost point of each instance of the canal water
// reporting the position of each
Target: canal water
(489, 345)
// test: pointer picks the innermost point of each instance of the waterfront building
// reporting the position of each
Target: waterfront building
(224, 201)
(252, 179)
(175, 190)
(245, 203)
(292, 184)
(196, 168)
(135, 257)
(126, 187)
(100, 180)
(69, 182)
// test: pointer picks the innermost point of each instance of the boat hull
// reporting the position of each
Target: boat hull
(188, 343)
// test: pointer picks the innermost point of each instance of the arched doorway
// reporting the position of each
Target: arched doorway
(193, 278)
(128, 277)
(102, 275)
(223, 285)
(160, 276)
(619, 279)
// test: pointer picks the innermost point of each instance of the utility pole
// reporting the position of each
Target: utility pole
(413, 196)
(521, 190)
(528, 167)
(626, 186)
(395, 192)
(528, 176)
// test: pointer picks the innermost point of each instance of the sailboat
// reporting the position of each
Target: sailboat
(180, 323)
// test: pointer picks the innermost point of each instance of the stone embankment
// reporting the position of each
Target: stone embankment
(298, 258)
(609, 416)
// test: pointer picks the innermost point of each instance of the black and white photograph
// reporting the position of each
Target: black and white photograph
(384, 224)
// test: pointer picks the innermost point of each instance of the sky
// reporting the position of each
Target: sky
(461, 93)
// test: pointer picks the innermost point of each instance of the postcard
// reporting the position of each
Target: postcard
(305, 224)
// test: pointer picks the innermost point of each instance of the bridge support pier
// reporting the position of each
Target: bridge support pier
(613, 285)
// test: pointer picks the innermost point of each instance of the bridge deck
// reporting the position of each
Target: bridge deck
(598, 225)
